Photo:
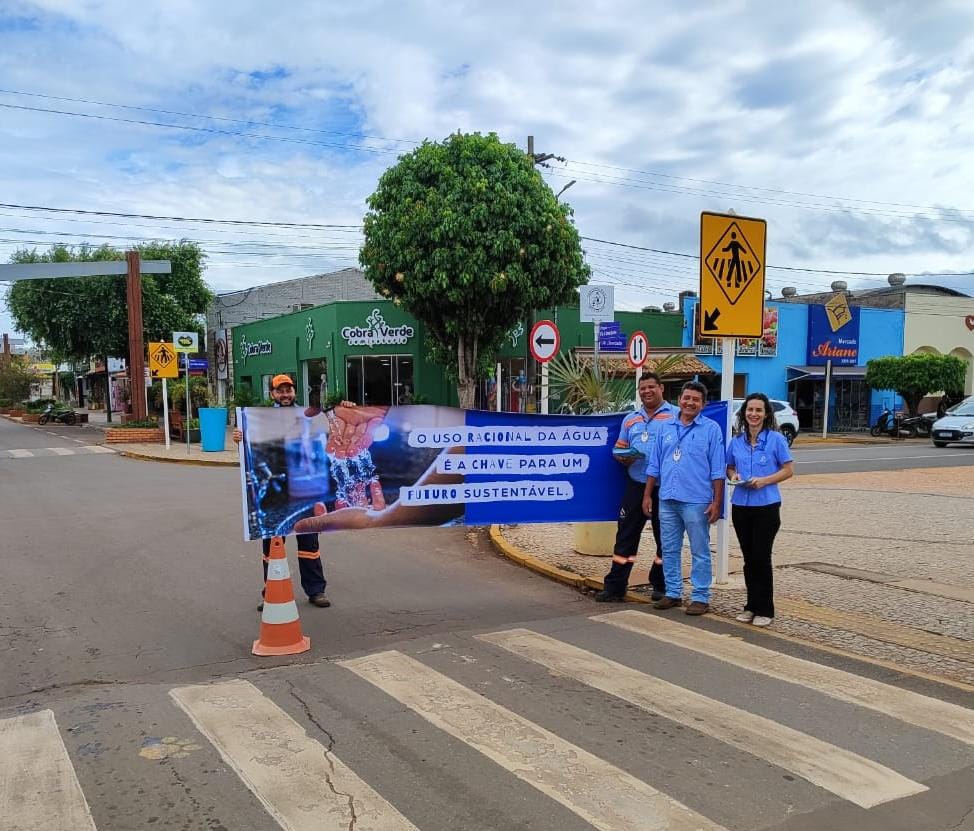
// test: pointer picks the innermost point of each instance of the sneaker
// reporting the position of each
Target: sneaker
(320, 600)
(761, 620)
(606, 596)
(667, 602)
(697, 608)
(745, 617)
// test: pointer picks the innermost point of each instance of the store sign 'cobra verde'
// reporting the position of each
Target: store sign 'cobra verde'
(377, 332)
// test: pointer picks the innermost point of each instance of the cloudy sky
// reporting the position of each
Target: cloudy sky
(847, 125)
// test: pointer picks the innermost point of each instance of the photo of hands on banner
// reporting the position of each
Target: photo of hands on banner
(308, 471)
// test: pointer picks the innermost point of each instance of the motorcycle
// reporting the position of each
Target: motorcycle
(61, 414)
(888, 425)
(923, 423)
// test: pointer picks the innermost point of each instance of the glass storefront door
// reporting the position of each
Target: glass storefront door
(315, 381)
(379, 380)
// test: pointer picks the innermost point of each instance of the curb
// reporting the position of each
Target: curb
(513, 553)
(569, 578)
(142, 457)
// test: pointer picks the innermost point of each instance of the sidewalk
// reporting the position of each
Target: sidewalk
(880, 565)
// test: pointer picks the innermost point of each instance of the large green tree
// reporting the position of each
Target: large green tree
(467, 236)
(80, 317)
(917, 375)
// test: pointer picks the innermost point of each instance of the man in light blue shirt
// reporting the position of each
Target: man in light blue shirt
(688, 462)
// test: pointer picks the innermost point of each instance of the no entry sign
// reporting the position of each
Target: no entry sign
(544, 341)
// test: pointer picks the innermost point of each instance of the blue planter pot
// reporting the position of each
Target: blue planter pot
(213, 428)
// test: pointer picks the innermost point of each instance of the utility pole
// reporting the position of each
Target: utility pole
(533, 370)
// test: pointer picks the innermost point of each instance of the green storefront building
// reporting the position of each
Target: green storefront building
(373, 352)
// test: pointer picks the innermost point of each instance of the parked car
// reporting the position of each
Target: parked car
(956, 426)
(784, 414)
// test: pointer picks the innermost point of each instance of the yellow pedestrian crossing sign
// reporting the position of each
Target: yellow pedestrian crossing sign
(162, 361)
(732, 260)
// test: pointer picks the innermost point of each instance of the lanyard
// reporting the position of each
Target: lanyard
(680, 436)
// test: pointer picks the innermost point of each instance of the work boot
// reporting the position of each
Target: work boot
(658, 594)
(697, 608)
(668, 602)
(605, 596)
(320, 600)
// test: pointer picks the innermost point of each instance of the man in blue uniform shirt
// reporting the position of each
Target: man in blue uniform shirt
(635, 442)
(688, 462)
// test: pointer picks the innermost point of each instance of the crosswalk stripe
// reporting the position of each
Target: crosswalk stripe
(601, 793)
(913, 708)
(61, 451)
(20, 454)
(846, 774)
(304, 787)
(39, 789)
(97, 448)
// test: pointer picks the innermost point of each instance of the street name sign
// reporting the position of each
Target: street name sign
(732, 270)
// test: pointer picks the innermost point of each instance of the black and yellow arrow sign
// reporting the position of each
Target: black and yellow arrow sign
(732, 260)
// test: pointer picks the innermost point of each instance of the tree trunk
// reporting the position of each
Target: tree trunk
(467, 372)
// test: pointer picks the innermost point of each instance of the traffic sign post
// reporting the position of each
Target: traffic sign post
(544, 343)
(163, 364)
(637, 350)
(188, 342)
(732, 268)
(596, 305)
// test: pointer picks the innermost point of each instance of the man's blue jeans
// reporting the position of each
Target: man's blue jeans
(675, 519)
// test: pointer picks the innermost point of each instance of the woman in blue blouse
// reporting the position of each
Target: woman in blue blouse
(758, 459)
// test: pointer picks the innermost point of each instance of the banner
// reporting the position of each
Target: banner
(371, 467)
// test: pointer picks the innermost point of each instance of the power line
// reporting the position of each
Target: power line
(177, 218)
(209, 117)
(211, 130)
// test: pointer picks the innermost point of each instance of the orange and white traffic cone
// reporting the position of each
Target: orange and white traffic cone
(280, 627)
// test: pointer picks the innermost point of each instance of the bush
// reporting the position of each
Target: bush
(39, 405)
(142, 424)
(244, 396)
(198, 390)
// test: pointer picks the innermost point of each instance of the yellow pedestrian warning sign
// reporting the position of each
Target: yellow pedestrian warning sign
(162, 361)
(732, 257)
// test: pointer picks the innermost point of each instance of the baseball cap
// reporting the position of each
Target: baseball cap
(279, 380)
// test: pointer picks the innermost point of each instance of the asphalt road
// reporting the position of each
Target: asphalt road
(895, 455)
(126, 592)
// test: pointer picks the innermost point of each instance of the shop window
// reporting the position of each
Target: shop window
(379, 380)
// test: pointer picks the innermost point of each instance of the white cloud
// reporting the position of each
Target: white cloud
(852, 99)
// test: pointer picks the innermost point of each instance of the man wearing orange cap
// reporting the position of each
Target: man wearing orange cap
(309, 556)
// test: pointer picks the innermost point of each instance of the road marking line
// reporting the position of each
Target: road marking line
(97, 448)
(61, 451)
(301, 785)
(38, 786)
(913, 708)
(844, 773)
(877, 628)
(891, 459)
(20, 454)
(601, 793)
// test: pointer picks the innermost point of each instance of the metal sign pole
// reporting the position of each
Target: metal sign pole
(727, 395)
(188, 409)
(825, 402)
(165, 411)
(595, 353)
(544, 388)
(639, 376)
(498, 389)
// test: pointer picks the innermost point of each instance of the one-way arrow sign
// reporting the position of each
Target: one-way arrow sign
(544, 341)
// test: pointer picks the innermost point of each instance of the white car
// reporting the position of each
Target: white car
(784, 414)
(957, 425)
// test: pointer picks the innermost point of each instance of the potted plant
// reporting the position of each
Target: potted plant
(193, 426)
